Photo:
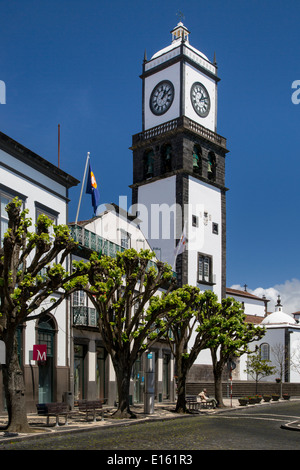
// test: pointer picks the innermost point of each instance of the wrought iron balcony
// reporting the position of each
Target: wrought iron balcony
(87, 239)
(94, 242)
(84, 316)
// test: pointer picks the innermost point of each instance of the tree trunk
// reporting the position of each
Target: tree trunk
(182, 370)
(123, 371)
(13, 381)
(218, 370)
(181, 401)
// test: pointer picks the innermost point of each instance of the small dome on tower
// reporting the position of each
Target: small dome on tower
(179, 33)
(278, 317)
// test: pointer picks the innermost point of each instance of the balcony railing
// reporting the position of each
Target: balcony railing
(182, 122)
(94, 242)
(84, 316)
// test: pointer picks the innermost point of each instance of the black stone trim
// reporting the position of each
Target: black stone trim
(11, 192)
(174, 60)
(182, 198)
(31, 180)
(46, 209)
(223, 244)
(177, 172)
(13, 148)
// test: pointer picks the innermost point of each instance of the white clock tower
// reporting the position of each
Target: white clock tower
(184, 88)
(179, 163)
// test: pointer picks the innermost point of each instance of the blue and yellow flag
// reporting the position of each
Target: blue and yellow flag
(91, 188)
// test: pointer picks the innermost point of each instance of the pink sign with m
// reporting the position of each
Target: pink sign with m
(39, 352)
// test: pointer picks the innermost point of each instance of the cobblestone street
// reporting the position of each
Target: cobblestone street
(256, 427)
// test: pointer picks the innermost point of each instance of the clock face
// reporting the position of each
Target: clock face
(162, 97)
(200, 99)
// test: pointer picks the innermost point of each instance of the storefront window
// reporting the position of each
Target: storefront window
(46, 334)
(79, 354)
(166, 376)
(100, 372)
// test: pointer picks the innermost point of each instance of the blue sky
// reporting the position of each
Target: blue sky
(77, 63)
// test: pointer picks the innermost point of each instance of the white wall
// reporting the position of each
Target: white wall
(172, 74)
(295, 355)
(157, 228)
(38, 188)
(110, 226)
(252, 306)
(205, 198)
(34, 185)
(193, 75)
(275, 337)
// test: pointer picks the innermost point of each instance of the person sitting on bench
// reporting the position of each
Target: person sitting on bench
(205, 398)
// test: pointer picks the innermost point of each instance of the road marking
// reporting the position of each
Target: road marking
(261, 417)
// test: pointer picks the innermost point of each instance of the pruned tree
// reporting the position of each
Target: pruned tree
(258, 368)
(231, 338)
(283, 360)
(192, 329)
(132, 300)
(29, 276)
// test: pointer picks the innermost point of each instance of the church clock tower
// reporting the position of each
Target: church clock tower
(179, 163)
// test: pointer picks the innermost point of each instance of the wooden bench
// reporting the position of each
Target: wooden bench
(195, 405)
(91, 406)
(54, 409)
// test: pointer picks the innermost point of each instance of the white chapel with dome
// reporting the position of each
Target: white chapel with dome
(280, 344)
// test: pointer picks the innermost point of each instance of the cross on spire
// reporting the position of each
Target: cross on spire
(180, 15)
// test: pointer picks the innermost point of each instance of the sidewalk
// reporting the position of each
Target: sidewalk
(77, 421)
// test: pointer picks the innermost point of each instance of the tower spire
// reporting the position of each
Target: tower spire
(180, 31)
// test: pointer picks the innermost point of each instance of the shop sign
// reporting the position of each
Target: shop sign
(39, 352)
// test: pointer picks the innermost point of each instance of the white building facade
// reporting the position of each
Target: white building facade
(110, 232)
(281, 345)
(43, 188)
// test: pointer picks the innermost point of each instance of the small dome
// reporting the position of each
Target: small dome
(173, 46)
(178, 33)
(278, 317)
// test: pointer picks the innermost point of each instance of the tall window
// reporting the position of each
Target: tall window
(197, 163)
(149, 164)
(166, 376)
(167, 158)
(265, 352)
(40, 209)
(46, 333)
(79, 298)
(79, 308)
(211, 166)
(51, 214)
(204, 268)
(6, 196)
(100, 372)
(79, 359)
(5, 199)
(125, 239)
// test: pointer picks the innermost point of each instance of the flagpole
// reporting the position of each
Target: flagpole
(79, 203)
(180, 246)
